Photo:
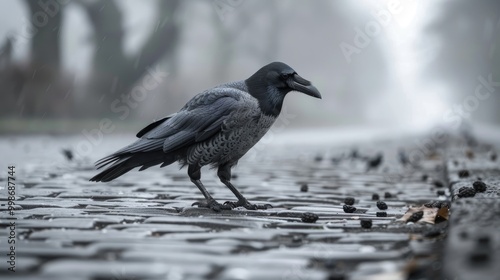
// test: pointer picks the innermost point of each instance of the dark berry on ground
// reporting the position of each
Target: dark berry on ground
(415, 217)
(375, 161)
(479, 255)
(463, 173)
(381, 205)
(466, 192)
(308, 217)
(438, 204)
(304, 188)
(349, 200)
(336, 276)
(438, 184)
(349, 209)
(479, 186)
(387, 195)
(375, 196)
(381, 214)
(365, 223)
(484, 240)
(425, 177)
(440, 192)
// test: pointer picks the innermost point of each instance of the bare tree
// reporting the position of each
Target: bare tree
(38, 87)
(115, 73)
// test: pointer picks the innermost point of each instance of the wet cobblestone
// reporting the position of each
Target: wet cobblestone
(142, 225)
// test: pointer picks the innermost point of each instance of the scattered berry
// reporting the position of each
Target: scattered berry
(381, 205)
(381, 214)
(375, 161)
(336, 276)
(304, 188)
(349, 200)
(479, 186)
(437, 204)
(438, 184)
(415, 217)
(308, 217)
(484, 240)
(425, 177)
(479, 255)
(375, 196)
(493, 157)
(463, 173)
(466, 192)
(366, 223)
(387, 195)
(349, 209)
(318, 158)
(440, 192)
(68, 154)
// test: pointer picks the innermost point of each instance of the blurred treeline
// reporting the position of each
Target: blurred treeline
(468, 33)
(232, 39)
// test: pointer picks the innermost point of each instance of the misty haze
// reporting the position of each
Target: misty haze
(380, 163)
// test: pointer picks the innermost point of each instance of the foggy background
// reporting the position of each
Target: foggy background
(65, 66)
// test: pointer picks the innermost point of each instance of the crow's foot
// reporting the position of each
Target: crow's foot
(212, 204)
(247, 205)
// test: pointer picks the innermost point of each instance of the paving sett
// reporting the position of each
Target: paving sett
(142, 226)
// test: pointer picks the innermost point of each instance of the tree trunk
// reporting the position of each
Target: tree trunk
(45, 92)
(115, 74)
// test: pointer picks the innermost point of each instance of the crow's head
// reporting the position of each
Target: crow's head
(272, 82)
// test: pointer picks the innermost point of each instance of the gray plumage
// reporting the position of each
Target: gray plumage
(217, 127)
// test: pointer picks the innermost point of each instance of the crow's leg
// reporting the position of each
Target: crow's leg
(195, 175)
(224, 173)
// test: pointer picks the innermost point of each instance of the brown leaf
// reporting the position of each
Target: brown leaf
(429, 215)
(442, 214)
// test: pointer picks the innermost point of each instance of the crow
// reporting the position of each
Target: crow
(216, 127)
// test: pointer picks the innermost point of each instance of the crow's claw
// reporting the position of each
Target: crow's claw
(212, 204)
(247, 205)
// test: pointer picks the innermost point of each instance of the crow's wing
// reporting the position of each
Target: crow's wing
(201, 118)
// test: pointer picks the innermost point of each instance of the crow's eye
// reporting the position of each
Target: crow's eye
(285, 76)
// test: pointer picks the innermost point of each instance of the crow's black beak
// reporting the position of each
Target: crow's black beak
(298, 83)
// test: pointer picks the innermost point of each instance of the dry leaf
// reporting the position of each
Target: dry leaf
(428, 215)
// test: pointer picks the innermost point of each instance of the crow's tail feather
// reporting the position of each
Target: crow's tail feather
(120, 164)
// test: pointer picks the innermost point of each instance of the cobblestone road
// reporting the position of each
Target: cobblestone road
(142, 225)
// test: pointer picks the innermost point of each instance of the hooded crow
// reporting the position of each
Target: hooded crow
(217, 127)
